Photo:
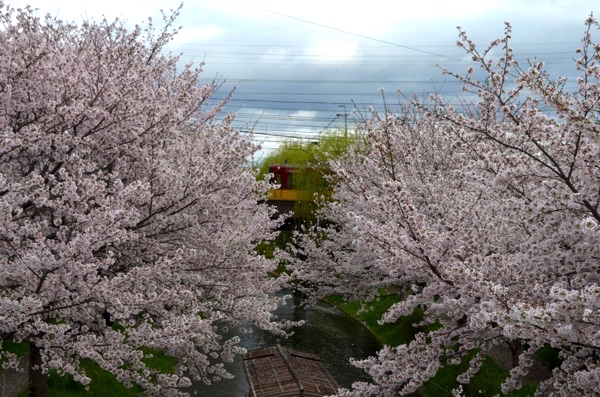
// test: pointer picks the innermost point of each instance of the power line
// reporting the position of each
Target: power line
(280, 135)
(328, 81)
(286, 101)
(244, 45)
(235, 58)
(353, 33)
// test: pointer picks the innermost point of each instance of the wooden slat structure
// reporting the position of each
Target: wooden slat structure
(283, 372)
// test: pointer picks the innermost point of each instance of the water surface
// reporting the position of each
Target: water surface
(329, 333)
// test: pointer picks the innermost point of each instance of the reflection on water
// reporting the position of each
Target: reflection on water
(328, 333)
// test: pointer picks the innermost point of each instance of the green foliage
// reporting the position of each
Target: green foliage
(312, 159)
(267, 249)
(331, 145)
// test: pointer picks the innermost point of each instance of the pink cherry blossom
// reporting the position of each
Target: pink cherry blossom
(127, 217)
(485, 214)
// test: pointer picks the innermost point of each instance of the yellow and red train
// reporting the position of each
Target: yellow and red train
(283, 175)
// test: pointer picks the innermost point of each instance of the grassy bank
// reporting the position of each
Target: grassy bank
(398, 333)
(103, 383)
(487, 381)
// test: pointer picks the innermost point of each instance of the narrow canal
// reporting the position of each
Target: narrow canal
(329, 333)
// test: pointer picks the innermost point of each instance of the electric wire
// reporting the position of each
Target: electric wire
(273, 110)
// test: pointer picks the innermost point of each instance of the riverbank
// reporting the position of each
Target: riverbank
(488, 380)
(13, 382)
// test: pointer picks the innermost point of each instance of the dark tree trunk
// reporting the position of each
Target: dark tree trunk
(38, 381)
(516, 348)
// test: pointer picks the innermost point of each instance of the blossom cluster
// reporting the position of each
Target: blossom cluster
(486, 215)
(127, 218)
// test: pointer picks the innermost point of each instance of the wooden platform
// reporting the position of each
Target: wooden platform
(283, 372)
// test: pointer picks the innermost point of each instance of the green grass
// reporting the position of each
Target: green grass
(550, 355)
(20, 349)
(159, 361)
(267, 249)
(103, 382)
(485, 383)
(393, 334)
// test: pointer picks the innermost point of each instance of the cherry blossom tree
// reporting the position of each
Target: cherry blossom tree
(487, 213)
(127, 218)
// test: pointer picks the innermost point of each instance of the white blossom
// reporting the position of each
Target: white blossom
(488, 220)
(127, 217)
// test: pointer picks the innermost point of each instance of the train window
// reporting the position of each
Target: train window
(278, 179)
(289, 180)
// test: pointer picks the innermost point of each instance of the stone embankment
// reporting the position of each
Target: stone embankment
(13, 381)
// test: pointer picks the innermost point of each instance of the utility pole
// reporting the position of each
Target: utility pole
(345, 124)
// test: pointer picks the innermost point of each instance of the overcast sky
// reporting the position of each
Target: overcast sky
(301, 65)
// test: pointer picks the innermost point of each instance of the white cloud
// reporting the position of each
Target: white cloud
(297, 67)
(332, 51)
(199, 34)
